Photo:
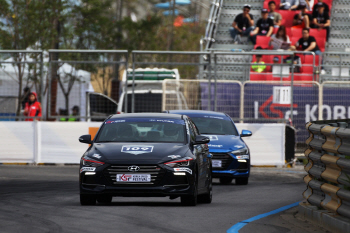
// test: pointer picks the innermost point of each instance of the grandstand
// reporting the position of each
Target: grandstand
(335, 59)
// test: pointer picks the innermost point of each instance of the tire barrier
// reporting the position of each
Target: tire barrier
(328, 179)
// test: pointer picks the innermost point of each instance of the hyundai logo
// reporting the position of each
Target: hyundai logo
(133, 168)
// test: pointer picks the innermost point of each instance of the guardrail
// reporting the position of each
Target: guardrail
(328, 179)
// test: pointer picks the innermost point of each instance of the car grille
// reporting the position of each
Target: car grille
(155, 171)
(226, 160)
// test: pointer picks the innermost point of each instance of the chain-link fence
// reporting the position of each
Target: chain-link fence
(84, 84)
(21, 72)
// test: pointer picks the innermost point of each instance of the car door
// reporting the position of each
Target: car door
(200, 151)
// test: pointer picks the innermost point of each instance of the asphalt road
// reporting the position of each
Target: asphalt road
(46, 199)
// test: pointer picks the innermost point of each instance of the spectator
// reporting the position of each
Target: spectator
(75, 114)
(289, 4)
(307, 43)
(276, 60)
(321, 20)
(303, 19)
(280, 40)
(259, 63)
(275, 16)
(264, 27)
(33, 107)
(25, 96)
(326, 8)
(309, 4)
(243, 23)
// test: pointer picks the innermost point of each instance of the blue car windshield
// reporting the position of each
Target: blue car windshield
(142, 130)
(211, 125)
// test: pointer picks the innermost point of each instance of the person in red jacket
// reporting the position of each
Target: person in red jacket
(33, 107)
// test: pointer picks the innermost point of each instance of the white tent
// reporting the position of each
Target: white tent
(9, 83)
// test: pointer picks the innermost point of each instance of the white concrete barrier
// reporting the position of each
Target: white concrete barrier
(266, 144)
(57, 142)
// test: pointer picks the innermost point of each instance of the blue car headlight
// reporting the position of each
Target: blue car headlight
(241, 153)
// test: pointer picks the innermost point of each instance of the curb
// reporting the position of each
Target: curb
(327, 220)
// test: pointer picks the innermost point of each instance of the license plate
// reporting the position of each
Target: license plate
(216, 163)
(133, 178)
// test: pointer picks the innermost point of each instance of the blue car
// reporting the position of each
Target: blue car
(231, 156)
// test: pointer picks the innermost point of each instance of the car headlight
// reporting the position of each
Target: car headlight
(91, 163)
(179, 163)
(241, 153)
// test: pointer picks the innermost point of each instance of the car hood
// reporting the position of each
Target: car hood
(225, 143)
(141, 153)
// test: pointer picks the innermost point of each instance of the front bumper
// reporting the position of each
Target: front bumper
(231, 166)
(158, 191)
(163, 182)
(231, 173)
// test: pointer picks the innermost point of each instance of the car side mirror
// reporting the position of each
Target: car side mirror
(201, 139)
(85, 139)
(246, 133)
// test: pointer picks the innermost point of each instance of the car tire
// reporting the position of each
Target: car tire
(242, 181)
(191, 200)
(87, 199)
(207, 198)
(226, 180)
(104, 199)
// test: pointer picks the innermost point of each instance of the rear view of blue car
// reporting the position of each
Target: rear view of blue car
(231, 156)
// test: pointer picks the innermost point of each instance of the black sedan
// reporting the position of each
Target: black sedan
(146, 155)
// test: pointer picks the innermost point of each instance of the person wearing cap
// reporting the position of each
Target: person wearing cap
(276, 60)
(72, 117)
(33, 107)
(264, 26)
(321, 19)
(275, 16)
(289, 4)
(315, 9)
(243, 23)
(75, 114)
(303, 19)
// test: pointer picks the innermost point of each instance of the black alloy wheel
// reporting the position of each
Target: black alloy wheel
(207, 198)
(191, 200)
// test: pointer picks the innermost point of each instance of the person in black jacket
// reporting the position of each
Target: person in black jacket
(264, 26)
(314, 10)
(25, 97)
(243, 23)
(307, 43)
(321, 20)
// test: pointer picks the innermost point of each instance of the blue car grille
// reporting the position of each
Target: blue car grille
(225, 158)
(156, 172)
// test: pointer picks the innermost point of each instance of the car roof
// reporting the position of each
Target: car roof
(148, 115)
(197, 112)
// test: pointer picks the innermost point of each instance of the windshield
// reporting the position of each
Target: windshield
(142, 130)
(215, 125)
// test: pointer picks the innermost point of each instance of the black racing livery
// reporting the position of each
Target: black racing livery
(146, 155)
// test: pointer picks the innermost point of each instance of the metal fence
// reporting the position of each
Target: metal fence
(93, 81)
(78, 79)
(19, 70)
(328, 179)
